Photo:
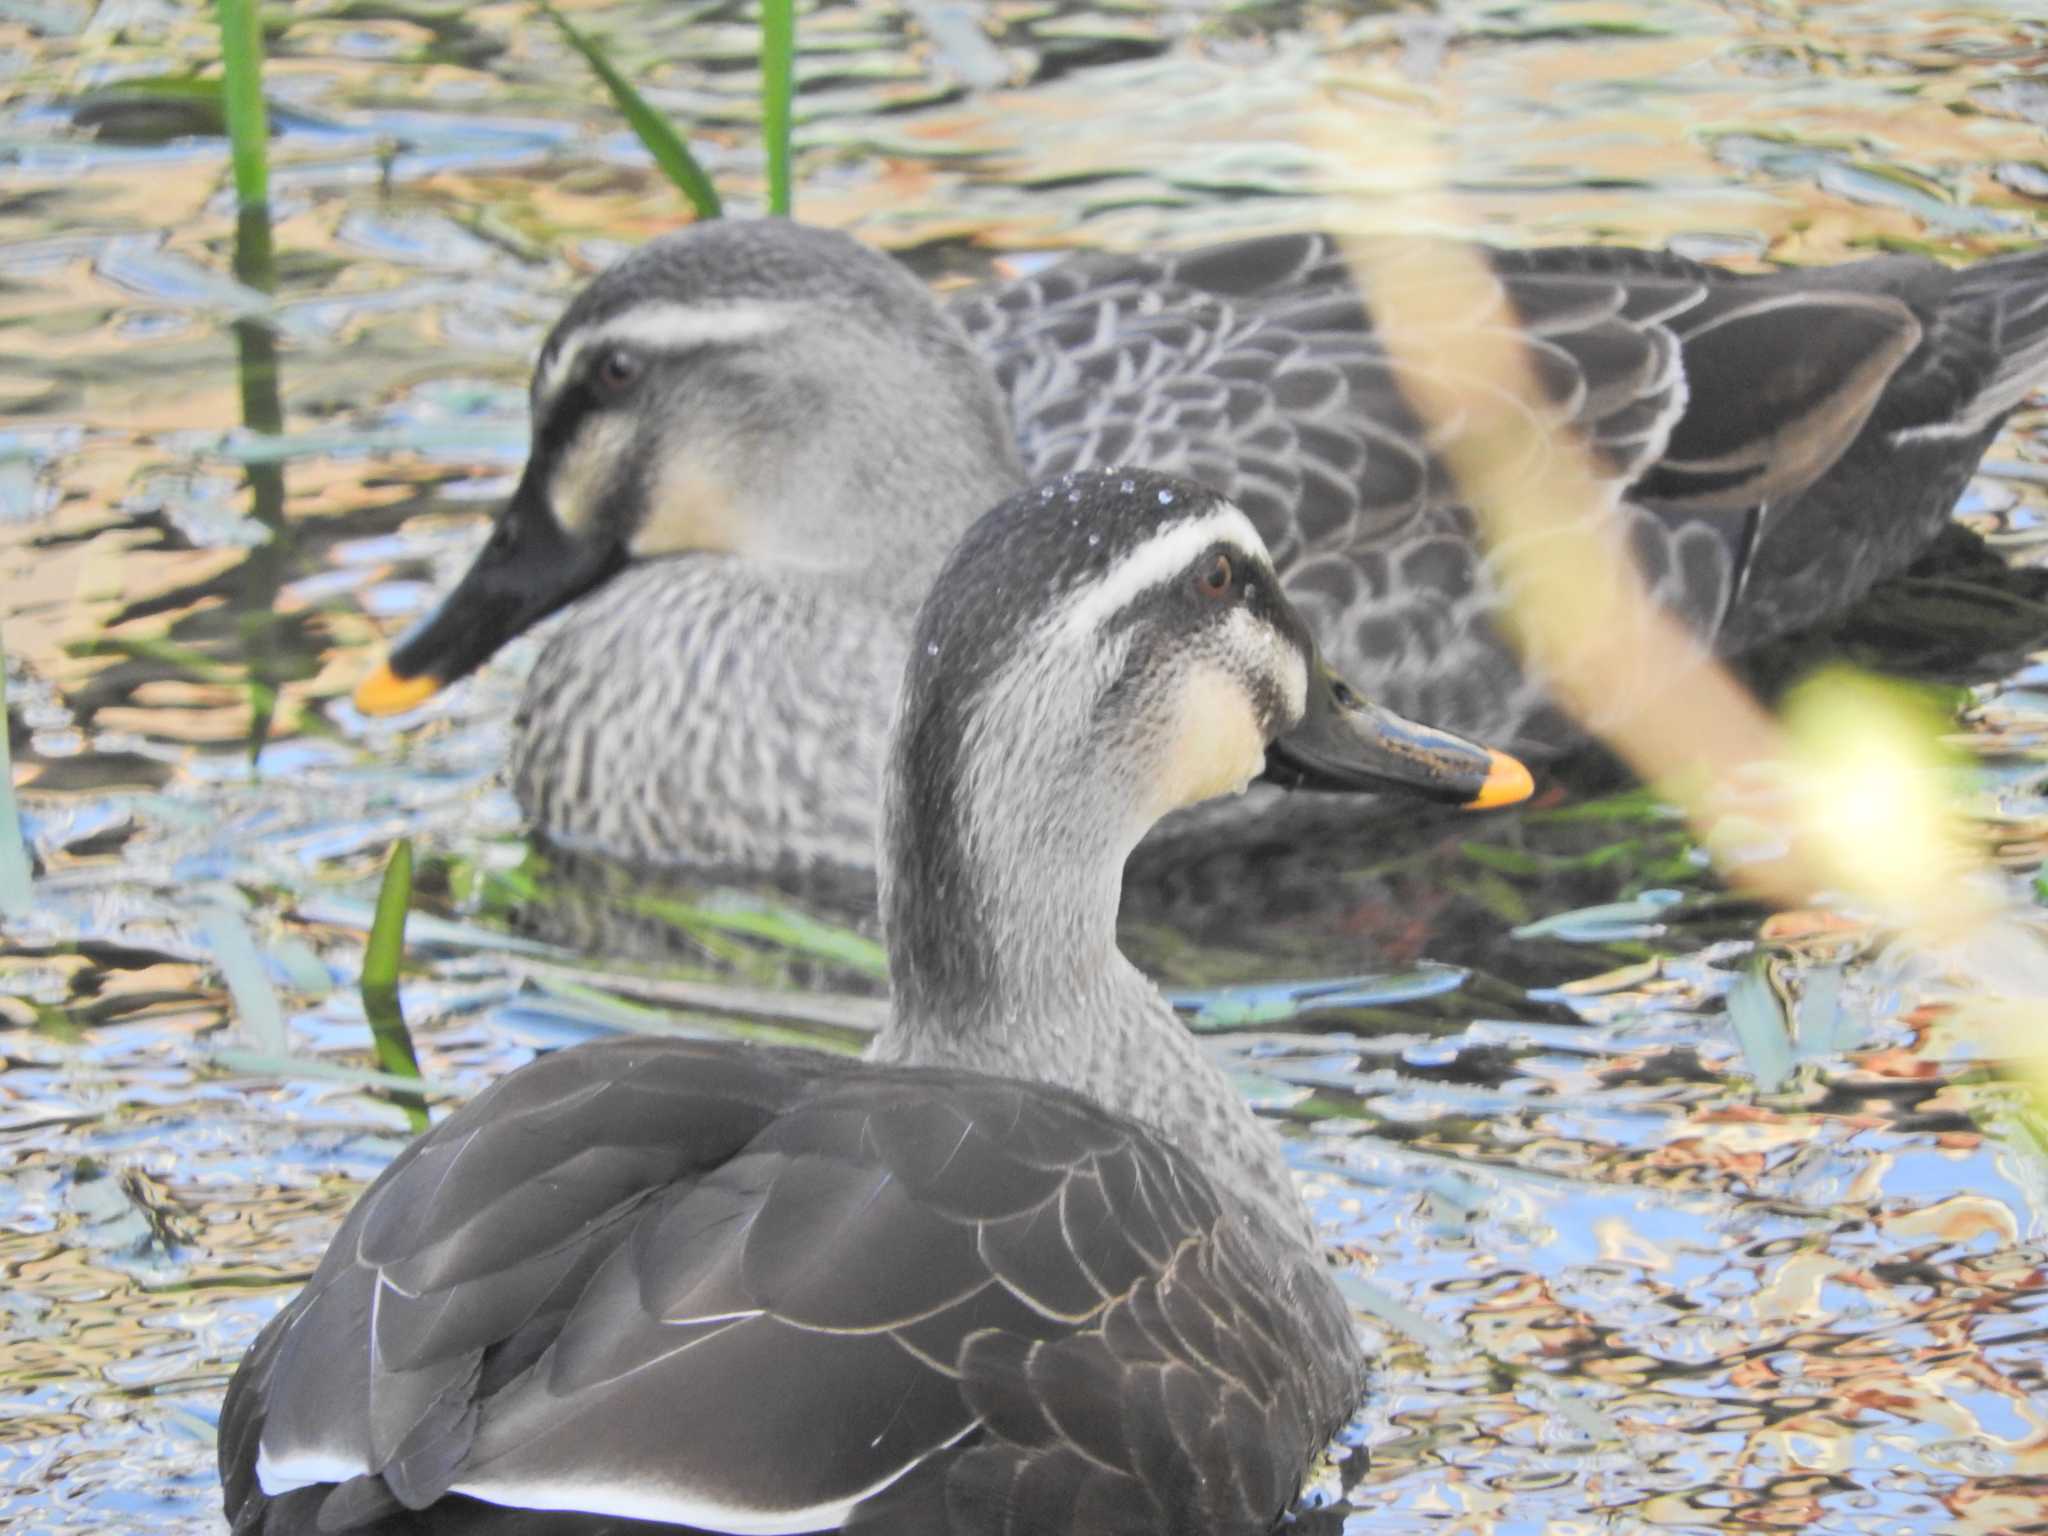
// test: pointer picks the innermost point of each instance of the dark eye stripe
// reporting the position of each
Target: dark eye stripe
(575, 401)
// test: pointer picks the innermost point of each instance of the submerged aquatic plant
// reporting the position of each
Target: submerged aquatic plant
(248, 981)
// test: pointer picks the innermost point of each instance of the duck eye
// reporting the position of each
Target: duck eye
(616, 372)
(1213, 579)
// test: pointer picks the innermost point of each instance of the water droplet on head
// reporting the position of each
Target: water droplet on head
(1166, 498)
(1045, 493)
(1073, 496)
(931, 647)
(1094, 539)
(1129, 486)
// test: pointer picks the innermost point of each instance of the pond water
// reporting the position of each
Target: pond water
(1671, 1214)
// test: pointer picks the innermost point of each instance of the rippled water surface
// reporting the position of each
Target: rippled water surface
(1673, 1214)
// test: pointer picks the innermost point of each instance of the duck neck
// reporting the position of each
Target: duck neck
(1003, 959)
(995, 920)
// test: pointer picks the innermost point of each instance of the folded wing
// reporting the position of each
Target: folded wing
(745, 1291)
(1710, 402)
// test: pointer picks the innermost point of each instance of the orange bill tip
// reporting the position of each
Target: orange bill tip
(1508, 782)
(384, 692)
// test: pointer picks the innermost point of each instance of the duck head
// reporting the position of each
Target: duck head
(742, 389)
(1095, 654)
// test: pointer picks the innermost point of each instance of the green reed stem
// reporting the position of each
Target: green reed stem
(381, 956)
(648, 125)
(778, 86)
(14, 866)
(241, 57)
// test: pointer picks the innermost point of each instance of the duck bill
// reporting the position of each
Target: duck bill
(1344, 743)
(530, 568)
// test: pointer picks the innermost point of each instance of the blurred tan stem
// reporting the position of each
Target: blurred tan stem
(1581, 614)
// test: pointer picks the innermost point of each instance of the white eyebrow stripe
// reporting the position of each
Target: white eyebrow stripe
(663, 327)
(1158, 559)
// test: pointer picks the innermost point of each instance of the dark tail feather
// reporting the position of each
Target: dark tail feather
(2006, 301)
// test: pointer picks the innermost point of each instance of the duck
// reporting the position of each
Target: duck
(1032, 1266)
(754, 440)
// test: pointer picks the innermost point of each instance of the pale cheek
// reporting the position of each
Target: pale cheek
(1218, 747)
(693, 509)
(576, 491)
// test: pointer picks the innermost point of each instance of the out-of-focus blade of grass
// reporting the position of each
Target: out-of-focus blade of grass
(1263, 1091)
(784, 926)
(1466, 1197)
(1625, 978)
(1217, 1009)
(615, 1012)
(241, 57)
(241, 967)
(648, 125)
(425, 928)
(14, 877)
(393, 1041)
(194, 664)
(778, 86)
(1644, 806)
(1361, 1295)
(304, 970)
(1641, 917)
(266, 1064)
(152, 109)
(1823, 1025)
(1758, 1020)
(863, 1015)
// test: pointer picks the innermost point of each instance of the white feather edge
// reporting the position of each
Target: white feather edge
(602, 1496)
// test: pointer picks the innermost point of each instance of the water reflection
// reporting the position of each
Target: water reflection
(1677, 1214)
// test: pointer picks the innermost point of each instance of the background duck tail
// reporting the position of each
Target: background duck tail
(2005, 302)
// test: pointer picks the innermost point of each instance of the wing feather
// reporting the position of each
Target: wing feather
(947, 1299)
(1704, 396)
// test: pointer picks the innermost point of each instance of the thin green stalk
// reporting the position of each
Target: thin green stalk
(241, 57)
(393, 1041)
(14, 870)
(648, 125)
(778, 85)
